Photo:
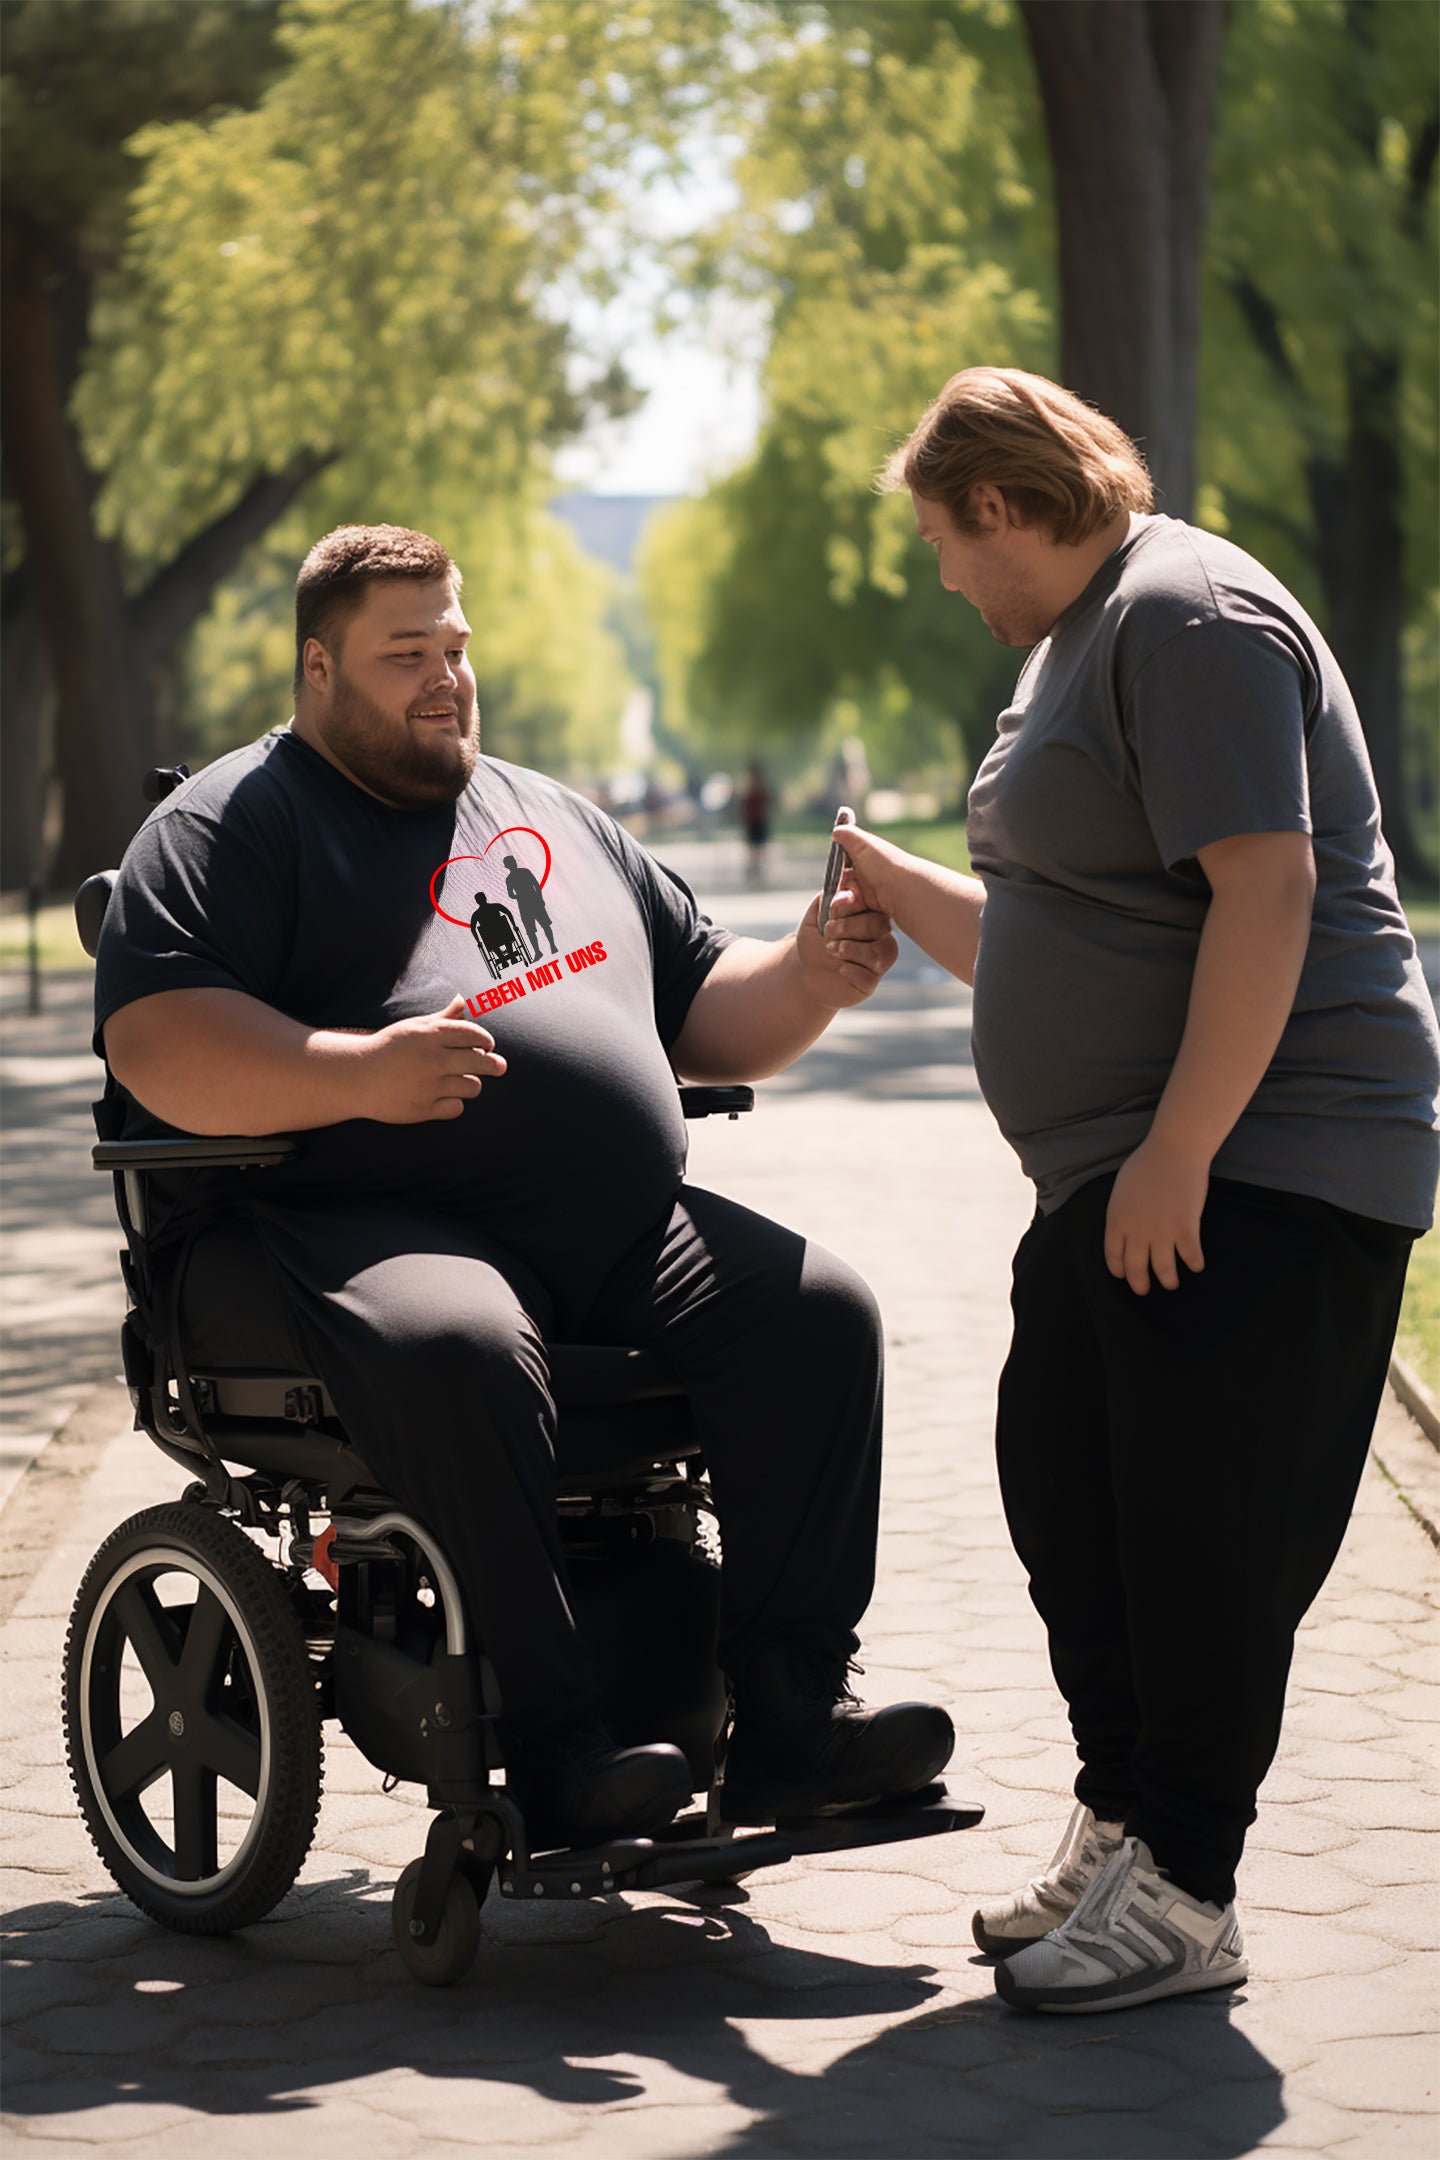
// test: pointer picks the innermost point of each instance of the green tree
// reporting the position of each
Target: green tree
(1320, 435)
(344, 279)
(78, 81)
(887, 213)
(1130, 88)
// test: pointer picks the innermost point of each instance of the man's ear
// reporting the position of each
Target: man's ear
(987, 508)
(317, 666)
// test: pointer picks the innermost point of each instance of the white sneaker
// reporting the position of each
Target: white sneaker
(1029, 1915)
(1133, 1936)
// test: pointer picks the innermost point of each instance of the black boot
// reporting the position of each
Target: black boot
(803, 1744)
(577, 1786)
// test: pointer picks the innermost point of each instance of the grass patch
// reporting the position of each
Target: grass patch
(1418, 1336)
(59, 940)
(940, 840)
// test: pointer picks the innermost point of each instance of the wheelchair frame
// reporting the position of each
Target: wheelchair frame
(364, 1624)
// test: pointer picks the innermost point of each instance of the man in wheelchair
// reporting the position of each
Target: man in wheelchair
(288, 950)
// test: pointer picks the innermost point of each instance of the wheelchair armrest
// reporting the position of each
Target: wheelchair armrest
(698, 1102)
(224, 1151)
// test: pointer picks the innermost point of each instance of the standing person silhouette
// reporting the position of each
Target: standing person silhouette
(524, 889)
(755, 817)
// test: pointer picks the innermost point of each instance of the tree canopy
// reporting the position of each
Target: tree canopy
(330, 269)
(898, 211)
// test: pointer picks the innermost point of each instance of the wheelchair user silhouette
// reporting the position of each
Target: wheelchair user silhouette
(498, 936)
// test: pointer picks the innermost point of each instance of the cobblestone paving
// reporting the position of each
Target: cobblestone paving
(830, 2008)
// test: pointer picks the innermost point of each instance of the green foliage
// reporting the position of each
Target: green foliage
(1325, 209)
(896, 211)
(888, 215)
(1418, 1338)
(80, 79)
(347, 221)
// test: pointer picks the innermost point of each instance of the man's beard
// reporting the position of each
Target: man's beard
(413, 772)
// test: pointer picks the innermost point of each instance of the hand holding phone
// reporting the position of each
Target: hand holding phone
(835, 865)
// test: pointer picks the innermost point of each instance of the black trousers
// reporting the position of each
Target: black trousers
(1178, 1471)
(431, 1341)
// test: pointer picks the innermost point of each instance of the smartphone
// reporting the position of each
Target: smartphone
(834, 867)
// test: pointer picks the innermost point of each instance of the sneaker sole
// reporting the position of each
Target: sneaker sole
(1142, 1988)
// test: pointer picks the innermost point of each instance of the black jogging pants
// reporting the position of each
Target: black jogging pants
(1178, 1471)
(431, 1341)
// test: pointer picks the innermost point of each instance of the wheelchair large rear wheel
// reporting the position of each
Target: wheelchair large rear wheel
(192, 1720)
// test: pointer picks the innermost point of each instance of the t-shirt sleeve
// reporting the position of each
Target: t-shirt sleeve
(197, 904)
(1216, 720)
(684, 944)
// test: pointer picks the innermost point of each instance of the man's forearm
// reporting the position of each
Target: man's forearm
(217, 1061)
(937, 908)
(1252, 948)
(753, 1015)
(940, 911)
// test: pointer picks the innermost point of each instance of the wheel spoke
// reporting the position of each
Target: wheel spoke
(230, 1752)
(195, 1827)
(137, 1760)
(206, 1644)
(152, 1634)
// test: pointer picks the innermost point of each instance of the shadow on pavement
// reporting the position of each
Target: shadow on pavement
(594, 2005)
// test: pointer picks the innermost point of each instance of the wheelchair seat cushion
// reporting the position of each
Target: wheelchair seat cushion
(620, 1410)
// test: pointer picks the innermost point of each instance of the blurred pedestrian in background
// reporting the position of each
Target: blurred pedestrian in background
(755, 818)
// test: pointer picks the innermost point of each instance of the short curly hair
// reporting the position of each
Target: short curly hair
(1056, 460)
(340, 569)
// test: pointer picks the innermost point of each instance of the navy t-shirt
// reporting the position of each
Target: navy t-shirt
(272, 874)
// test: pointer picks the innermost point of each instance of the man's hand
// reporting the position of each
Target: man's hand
(845, 958)
(1252, 948)
(415, 1071)
(936, 907)
(1153, 1219)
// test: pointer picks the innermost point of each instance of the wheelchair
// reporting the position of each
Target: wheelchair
(509, 949)
(214, 1636)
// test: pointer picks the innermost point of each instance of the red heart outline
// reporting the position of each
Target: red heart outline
(438, 874)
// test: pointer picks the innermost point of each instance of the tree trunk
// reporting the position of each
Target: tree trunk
(1356, 485)
(82, 652)
(1362, 559)
(1129, 89)
(178, 594)
(27, 734)
(102, 712)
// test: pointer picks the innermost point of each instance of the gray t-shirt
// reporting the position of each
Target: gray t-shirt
(1183, 698)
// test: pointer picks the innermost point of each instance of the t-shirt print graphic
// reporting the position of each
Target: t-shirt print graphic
(503, 942)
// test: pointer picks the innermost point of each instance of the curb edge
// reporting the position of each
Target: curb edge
(1417, 1398)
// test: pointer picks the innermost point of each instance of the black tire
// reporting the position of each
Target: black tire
(233, 1697)
(452, 1953)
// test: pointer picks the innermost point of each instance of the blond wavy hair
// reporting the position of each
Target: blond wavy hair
(1056, 460)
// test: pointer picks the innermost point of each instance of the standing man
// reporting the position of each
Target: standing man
(1200, 1020)
(524, 889)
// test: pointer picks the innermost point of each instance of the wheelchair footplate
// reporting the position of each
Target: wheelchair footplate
(687, 1852)
(479, 1836)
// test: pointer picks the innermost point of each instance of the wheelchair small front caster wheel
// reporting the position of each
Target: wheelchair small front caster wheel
(452, 1953)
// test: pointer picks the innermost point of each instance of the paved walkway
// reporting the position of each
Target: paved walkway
(831, 2008)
